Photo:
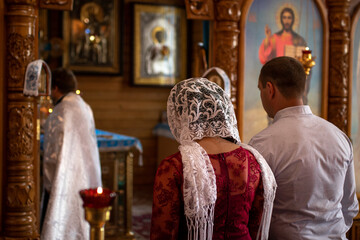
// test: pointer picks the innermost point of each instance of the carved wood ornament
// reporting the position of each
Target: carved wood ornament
(224, 35)
(57, 4)
(226, 42)
(21, 194)
(338, 93)
(21, 167)
(200, 9)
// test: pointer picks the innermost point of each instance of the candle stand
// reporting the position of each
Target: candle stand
(307, 60)
(97, 205)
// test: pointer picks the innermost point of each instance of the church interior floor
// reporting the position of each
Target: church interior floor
(141, 211)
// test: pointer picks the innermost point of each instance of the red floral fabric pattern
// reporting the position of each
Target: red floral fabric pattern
(239, 203)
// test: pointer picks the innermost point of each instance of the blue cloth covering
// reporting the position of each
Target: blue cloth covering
(112, 141)
(108, 141)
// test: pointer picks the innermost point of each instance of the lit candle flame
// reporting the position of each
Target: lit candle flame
(99, 190)
(77, 92)
(50, 110)
(307, 48)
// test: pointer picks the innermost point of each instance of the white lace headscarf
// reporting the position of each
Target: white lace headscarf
(198, 108)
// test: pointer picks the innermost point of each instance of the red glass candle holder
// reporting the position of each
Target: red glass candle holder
(306, 51)
(97, 197)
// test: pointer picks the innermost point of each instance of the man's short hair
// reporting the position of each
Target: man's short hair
(287, 74)
(289, 10)
(64, 79)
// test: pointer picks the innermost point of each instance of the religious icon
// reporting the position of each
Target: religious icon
(159, 45)
(280, 28)
(158, 56)
(91, 40)
(285, 42)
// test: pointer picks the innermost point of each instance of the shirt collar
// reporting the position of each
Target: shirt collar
(60, 99)
(293, 111)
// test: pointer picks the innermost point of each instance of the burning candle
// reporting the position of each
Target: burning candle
(306, 51)
(307, 60)
(97, 205)
(97, 197)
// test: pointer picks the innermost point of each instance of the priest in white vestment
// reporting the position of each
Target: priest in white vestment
(71, 160)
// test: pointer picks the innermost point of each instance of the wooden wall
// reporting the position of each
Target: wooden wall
(131, 110)
(2, 97)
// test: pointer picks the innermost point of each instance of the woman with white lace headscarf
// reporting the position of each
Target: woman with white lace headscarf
(215, 187)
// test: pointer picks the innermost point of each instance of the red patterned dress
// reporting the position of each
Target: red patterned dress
(239, 203)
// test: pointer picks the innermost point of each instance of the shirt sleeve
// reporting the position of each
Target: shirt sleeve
(167, 195)
(350, 204)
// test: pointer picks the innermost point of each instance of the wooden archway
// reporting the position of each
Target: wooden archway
(228, 44)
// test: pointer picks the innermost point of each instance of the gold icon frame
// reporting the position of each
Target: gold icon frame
(159, 45)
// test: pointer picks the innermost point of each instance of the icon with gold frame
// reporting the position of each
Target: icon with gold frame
(160, 45)
(91, 36)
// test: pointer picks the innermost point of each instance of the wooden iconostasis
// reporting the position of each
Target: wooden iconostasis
(232, 31)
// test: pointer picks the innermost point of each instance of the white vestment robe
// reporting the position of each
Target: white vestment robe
(71, 163)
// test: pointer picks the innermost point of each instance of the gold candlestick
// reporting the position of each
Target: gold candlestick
(97, 207)
(97, 217)
(307, 60)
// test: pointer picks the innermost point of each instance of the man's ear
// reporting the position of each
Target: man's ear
(271, 89)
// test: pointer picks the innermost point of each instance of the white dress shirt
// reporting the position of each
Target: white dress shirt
(312, 161)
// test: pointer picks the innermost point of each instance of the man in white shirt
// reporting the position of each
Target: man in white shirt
(311, 158)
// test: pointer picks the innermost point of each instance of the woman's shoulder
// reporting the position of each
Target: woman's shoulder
(174, 160)
(171, 165)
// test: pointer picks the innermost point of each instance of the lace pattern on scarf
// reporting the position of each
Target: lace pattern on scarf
(198, 108)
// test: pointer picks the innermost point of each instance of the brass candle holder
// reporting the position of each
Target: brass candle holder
(307, 60)
(97, 205)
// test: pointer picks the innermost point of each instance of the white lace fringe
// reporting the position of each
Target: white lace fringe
(201, 229)
(199, 191)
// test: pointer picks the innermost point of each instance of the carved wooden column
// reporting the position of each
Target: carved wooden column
(21, 167)
(21, 182)
(338, 102)
(225, 48)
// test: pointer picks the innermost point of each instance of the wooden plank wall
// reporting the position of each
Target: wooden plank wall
(121, 108)
(2, 99)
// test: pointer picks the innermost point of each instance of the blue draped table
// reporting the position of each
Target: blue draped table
(116, 157)
(108, 141)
